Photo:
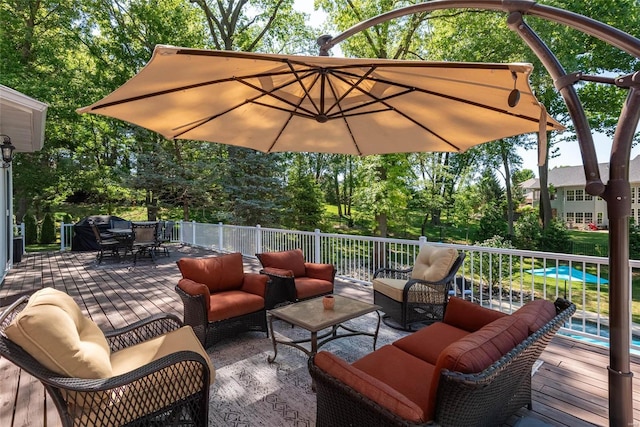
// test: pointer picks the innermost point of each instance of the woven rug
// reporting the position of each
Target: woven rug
(250, 391)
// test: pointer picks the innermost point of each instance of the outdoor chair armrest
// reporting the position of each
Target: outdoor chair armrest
(320, 271)
(255, 284)
(277, 272)
(142, 330)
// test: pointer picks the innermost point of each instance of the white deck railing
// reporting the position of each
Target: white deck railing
(495, 277)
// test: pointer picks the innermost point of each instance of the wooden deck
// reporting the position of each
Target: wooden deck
(570, 389)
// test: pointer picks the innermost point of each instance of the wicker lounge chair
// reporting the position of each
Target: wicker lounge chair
(420, 293)
(293, 278)
(220, 299)
(152, 372)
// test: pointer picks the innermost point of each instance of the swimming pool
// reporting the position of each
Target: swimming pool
(592, 329)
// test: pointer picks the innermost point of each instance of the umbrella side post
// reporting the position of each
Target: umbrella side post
(618, 200)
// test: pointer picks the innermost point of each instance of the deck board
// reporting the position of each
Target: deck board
(569, 389)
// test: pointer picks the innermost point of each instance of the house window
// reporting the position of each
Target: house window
(579, 195)
(570, 195)
(588, 196)
(633, 216)
(633, 195)
(570, 217)
(599, 218)
(588, 217)
(579, 218)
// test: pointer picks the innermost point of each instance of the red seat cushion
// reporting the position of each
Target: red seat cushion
(228, 304)
(222, 273)
(307, 287)
(427, 343)
(403, 372)
(287, 260)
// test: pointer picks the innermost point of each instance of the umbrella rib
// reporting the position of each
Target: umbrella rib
(391, 108)
(262, 92)
(346, 123)
(442, 95)
(351, 88)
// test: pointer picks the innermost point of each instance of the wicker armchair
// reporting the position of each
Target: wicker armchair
(172, 389)
(293, 278)
(220, 299)
(485, 398)
(420, 293)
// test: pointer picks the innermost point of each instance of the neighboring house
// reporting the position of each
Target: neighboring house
(572, 204)
(22, 119)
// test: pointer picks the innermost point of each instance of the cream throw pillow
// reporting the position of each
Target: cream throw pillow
(433, 263)
(53, 330)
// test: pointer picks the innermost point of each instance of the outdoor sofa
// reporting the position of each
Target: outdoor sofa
(472, 369)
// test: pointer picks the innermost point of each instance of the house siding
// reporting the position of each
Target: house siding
(572, 205)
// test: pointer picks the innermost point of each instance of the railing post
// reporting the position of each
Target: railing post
(24, 241)
(258, 238)
(422, 240)
(61, 236)
(318, 257)
(180, 231)
(220, 236)
(193, 232)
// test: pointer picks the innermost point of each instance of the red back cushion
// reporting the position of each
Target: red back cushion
(479, 350)
(222, 273)
(286, 260)
(468, 316)
(536, 313)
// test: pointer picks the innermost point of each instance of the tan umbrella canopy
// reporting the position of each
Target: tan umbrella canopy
(324, 104)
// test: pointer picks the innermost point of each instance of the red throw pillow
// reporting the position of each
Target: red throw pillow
(287, 260)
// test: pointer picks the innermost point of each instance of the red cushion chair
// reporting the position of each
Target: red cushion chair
(220, 299)
(293, 278)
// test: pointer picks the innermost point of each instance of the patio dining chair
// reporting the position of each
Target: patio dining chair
(151, 373)
(145, 239)
(165, 233)
(108, 245)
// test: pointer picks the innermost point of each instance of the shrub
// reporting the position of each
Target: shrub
(48, 230)
(30, 229)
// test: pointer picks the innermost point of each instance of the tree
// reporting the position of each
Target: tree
(253, 188)
(305, 206)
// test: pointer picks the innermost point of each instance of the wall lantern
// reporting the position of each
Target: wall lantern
(7, 150)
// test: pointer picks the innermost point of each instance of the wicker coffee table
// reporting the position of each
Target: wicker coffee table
(312, 316)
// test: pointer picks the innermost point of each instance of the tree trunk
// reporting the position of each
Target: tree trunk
(152, 206)
(507, 182)
(545, 198)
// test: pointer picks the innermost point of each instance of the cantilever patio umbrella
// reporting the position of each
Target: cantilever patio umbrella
(325, 104)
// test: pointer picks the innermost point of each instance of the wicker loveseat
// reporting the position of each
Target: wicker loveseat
(471, 369)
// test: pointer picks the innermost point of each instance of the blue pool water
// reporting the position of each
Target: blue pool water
(591, 328)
